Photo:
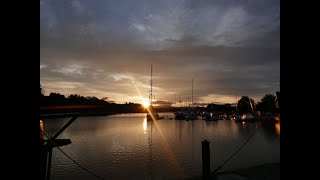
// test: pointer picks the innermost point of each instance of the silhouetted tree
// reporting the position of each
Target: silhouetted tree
(259, 106)
(56, 98)
(244, 105)
(228, 109)
(56, 95)
(216, 108)
(268, 103)
(94, 105)
(77, 99)
(92, 100)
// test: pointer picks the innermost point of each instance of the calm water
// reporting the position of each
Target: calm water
(126, 146)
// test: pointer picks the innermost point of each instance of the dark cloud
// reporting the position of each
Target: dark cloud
(105, 48)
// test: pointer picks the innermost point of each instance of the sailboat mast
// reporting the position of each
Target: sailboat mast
(236, 104)
(192, 94)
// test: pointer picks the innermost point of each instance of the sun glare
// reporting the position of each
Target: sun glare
(145, 104)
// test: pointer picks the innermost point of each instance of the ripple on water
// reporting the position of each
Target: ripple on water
(108, 145)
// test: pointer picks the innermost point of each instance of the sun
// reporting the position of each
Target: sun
(145, 104)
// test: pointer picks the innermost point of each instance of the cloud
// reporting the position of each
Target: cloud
(228, 47)
(78, 6)
(222, 24)
(43, 66)
(119, 77)
(162, 103)
(74, 70)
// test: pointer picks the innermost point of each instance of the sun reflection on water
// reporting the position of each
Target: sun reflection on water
(144, 125)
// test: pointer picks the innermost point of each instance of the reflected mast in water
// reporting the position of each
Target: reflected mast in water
(192, 139)
(150, 150)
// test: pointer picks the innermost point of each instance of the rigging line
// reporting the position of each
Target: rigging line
(77, 127)
(99, 177)
(219, 167)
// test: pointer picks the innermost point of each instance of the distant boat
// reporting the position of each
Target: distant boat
(192, 116)
(191, 113)
(204, 115)
(153, 115)
(247, 117)
(211, 117)
(222, 117)
(180, 115)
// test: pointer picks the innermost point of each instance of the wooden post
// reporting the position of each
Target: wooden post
(205, 159)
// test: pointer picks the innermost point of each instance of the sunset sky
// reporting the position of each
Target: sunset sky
(104, 48)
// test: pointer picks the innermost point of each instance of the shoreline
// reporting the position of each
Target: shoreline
(82, 112)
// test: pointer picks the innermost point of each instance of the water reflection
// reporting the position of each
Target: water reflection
(245, 128)
(170, 148)
(178, 130)
(150, 163)
(270, 129)
(145, 126)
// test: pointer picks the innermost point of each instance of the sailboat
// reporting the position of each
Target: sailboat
(152, 114)
(212, 115)
(192, 114)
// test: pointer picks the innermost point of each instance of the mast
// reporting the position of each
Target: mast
(236, 105)
(251, 106)
(192, 94)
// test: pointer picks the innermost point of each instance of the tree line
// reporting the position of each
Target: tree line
(266, 105)
(90, 105)
(101, 106)
(246, 105)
